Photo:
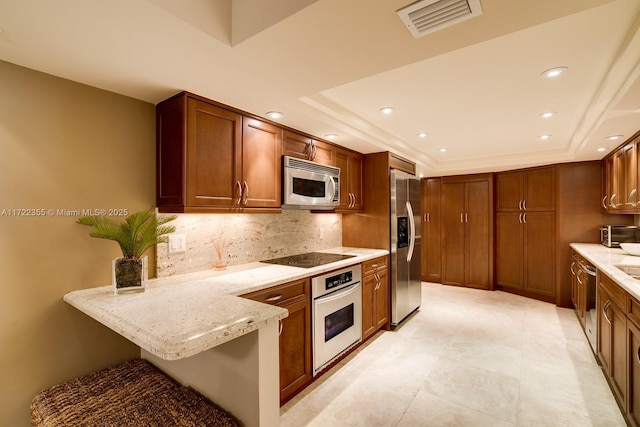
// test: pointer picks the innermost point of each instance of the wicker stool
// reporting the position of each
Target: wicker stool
(134, 393)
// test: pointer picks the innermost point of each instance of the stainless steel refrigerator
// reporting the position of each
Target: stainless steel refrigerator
(406, 245)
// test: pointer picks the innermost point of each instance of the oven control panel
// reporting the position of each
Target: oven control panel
(335, 280)
(338, 279)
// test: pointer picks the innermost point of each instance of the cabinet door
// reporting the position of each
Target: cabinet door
(324, 153)
(607, 183)
(477, 230)
(431, 231)
(540, 189)
(618, 189)
(539, 252)
(382, 300)
(618, 365)
(604, 330)
(369, 283)
(453, 233)
(509, 249)
(261, 151)
(351, 182)
(509, 187)
(630, 177)
(295, 349)
(296, 145)
(214, 155)
(633, 374)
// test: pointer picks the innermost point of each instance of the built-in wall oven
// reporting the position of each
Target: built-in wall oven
(337, 314)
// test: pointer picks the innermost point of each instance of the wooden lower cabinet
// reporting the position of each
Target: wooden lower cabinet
(375, 296)
(612, 337)
(296, 369)
(525, 252)
(633, 374)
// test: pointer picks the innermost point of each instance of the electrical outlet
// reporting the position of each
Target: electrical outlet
(177, 243)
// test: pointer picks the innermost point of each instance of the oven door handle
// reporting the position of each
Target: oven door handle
(412, 232)
(340, 293)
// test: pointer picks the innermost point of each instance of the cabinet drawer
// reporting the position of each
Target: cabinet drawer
(615, 292)
(634, 311)
(375, 265)
(286, 292)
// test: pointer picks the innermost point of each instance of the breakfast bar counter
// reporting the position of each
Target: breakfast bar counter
(196, 328)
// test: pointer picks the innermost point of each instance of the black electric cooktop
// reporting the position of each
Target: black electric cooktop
(311, 259)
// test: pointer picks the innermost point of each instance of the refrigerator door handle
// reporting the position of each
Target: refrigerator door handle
(412, 232)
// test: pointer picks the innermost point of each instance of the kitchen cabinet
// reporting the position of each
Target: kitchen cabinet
(467, 231)
(375, 296)
(633, 374)
(526, 190)
(211, 158)
(431, 269)
(526, 232)
(578, 288)
(612, 335)
(351, 182)
(620, 178)
(295, 334)
(303, 147)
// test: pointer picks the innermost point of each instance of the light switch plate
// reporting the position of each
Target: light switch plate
(177, 243)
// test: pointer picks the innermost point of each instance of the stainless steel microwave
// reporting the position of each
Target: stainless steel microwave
(612, 235)
(309, 185)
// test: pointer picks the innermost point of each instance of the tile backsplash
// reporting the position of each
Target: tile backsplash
(247, 238)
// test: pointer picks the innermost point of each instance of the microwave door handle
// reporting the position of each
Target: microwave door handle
(412, 232)
(333, 189)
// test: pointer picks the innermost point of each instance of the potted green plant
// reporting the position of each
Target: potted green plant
(138, 232)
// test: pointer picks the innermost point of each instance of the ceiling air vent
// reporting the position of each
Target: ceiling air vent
(427, 16)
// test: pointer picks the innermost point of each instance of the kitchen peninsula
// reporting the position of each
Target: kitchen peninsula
(197, 329)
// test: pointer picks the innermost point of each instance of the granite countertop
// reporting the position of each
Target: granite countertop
(180, 316)
(606, 259)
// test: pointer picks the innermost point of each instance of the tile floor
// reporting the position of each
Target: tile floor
(466, 358)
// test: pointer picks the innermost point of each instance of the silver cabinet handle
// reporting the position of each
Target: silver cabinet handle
(612, 203)
(571, 268)
(578, 276)
(631, 195)
(274, 298)
(605, 309)
(466, 217)
(461, 217)
(520, 205)
(524, 205)
(520, 218)
(374, 265)
(354, 200)
(524, 218)
(281, 327)
(246, 193)
(638, 355)
(239, 192)
(604, 203)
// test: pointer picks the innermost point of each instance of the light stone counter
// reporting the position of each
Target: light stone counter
(605, 259)
(180, 316)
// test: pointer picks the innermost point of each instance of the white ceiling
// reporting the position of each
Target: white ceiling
(475, 87)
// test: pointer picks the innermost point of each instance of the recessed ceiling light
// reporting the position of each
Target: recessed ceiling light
(275, 115)
(422, 135)
(442, 150)
(547, 114)
(601, 149)
(613, 137)
(554, 72)
(543, 137)
(386, 110)
(331, 136)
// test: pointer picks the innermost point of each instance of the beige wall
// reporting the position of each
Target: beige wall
(64, 146)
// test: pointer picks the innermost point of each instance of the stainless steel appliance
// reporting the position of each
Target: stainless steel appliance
(308, 260)
(405, 245)
(612, 235)
(309, 185)
(336, 313)
(590, 284)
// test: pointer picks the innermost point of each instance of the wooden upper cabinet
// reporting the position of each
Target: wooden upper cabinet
(210, 158)
(261, 152)
(304, 147)
(526, 190)
(351, 181)
(620, 178)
